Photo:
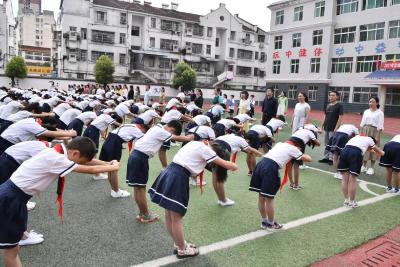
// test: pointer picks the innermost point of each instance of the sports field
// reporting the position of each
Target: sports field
(101, 231)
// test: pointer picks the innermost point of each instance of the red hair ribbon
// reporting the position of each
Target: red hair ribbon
(60, 185)
(287, 169)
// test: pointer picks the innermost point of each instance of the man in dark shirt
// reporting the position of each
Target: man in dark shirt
(332, 121)
(269, 106)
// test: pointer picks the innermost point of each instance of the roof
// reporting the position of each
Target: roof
(384, 74)
(148, 9)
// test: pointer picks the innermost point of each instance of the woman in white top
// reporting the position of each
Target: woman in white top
(244, 107)
(301, 112)
(372, 126)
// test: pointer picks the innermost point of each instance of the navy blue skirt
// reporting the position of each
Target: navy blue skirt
(219, 129)
(77, 125)
(13, 214)
(4, 125)
(254, 139)
(391, 159)
(171, 189)
(351, 160)
(138, 121)
(337, 142)
(189, 126)
(112, 148)
(224, 145)
(8, 165)
(4, 144)
(61, 125)
(93, 133)
(46, 108)
(137, 173)
(265, 179)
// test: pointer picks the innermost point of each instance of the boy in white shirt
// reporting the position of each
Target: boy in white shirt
(391, 161)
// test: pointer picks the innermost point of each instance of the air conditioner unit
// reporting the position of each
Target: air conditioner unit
(72, 58)
(189, 32)
(73, 36)
(175, 48)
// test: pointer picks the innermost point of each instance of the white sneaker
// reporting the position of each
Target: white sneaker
(32, 232)
(30, 205)
(364, 169)
(228, 202)
(390, 190)
(101, 176)
(120, 193)
(338, 176)
(370, 171)
(303, 167)
(353, 204)
(31, 240)
(346, 203)
(193, 182)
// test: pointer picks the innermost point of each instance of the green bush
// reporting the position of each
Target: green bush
(16, 68)
(184, 76)
(104, 70)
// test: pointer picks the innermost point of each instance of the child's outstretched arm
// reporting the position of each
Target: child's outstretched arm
(378, 151)
(182, 138)
(59, 133)
(94, 169)
(254, 151)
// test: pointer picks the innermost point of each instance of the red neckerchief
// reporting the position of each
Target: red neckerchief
(287, 169)
(60, 185)
(40, 121)
(234, 156)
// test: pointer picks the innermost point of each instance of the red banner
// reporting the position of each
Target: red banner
(390, 65)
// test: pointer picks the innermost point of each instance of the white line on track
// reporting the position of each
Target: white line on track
(261, 233)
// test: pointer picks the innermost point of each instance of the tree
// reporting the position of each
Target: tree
(104, 70)
(185, 76)
(16, 68)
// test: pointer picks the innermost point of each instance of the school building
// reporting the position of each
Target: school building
(351, 46)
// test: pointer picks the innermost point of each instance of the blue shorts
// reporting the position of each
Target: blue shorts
(13, 214)
(337, 142)
(4, 144)
(391, 159)
(171, 189)
(265, 179)
(4, 125)
(138, 121)
(8, 165)
(219, 129)
(137, 173)
(254, 139)
(93, 133)
(61, 125)
(77, 125)
(112, 148)
(45, 108)
(351, 160)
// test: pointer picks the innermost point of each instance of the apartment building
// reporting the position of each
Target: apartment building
(7, 33)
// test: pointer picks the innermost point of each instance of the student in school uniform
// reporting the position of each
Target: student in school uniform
(338, 141)
(60, 109)
(10, 108)
(216, 112)
(173, 103)
(224, 125)
(147, 118)
(27, 130)
(266, 180)
(68, 116)
(198, 120)
(123, 110)
(350, 162)
(391, 161)
(83, 119)
(171, 188)
(274, 124)
(138, 163)
(112, 150)
(192, 108)
(231, 144)
(32, 178)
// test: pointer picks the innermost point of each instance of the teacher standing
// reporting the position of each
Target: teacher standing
(269, 106)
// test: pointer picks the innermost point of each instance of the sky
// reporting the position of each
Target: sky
(256, 13)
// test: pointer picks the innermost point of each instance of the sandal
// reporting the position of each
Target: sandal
(186, 244)
(187, 252)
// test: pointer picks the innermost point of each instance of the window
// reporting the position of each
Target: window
(165, 63)
(72, 29)
(103, 37)
(395, 2)
(292, 92)
(367, 63)
(208, 50)
(296, 40)
(152, 42)
(200, 67)
(122, 19)
(122, 59)
(167, 44)
(342, 65)
(294, 65)
(255, 72)
(122, 38)
(198, 30)
(256, 55)
(279, 17)
(368, 4)
(364, 94)
(319, 10)
(373, 31)
(101, 17)
(243, 71)
(232, 37)
(298, 13)
(261, 73)
(153, 23)
(171, 26)
(261, 38)
(83, 55)
(392, 97)
(394, 29)
(231, 52)
(278, 42)
(135, 31)
(244, 54)
(344, 35)
(262, 57)
(312, 92)
(83, 33)
(216, 42)
(317, 37)
(276, 67)
(151, 61)
(392, 57)
(209, 31)
(315, 65)
(344, 93)
(346, 6)
(197, 48)
(97, 54)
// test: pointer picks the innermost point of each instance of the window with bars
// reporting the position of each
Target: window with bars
(243, 71)
(346, 6)
(96, 54)
(369, 4)
(394, 29)
(315, 64)
(344, 35)
(197, 48)
(317, 37)
(373, 31)
(101, 17)
(298, 13)
(122, 19)
(342, 65)
(392, 97)
(364, 94)
(172, 26)
(208, 50)
(135, 31)
(198, 30)
(153, 23)
(164, 63)
(209, 31)
(294, 65)
(279, 17)
(167, 44)
(278, 41)
(368, 63)
(276, 67)
(122, 59)
(83, 33)
(391, 57)
(152, 42)
(296, 39)
(344, 93)
(244, 54)
(292, 92)
(103, 37)
(312, 92)
(122, 37)
(319, 10)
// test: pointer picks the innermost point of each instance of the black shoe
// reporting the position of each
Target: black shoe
(330, 162)
(323, 160)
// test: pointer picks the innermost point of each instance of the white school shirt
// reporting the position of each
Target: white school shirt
(202, 120)
(374, 118)
(194, 157)
(60, 109)
(305, 135)
(83, 104)
(69, 115)
(11, 108)
(243, 118)
(87, 116)
(152, 141)
(275, 124)
(192, 106)
(142, 108)
(35, 99)
(281, 153)
(217, 110)
(227, 123)
(94, 103)
(204, 132)
(236, 143)
(173, 102)
(25, 150)
(20, 115)
(23, 130)
(362, 142)
(262, 130)
(148, 115)
(396, 138)
(128, 132)
(51, 101)
(102, 122)
(348, 129)
(171, 115)
(122, 110)
(310, 127)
